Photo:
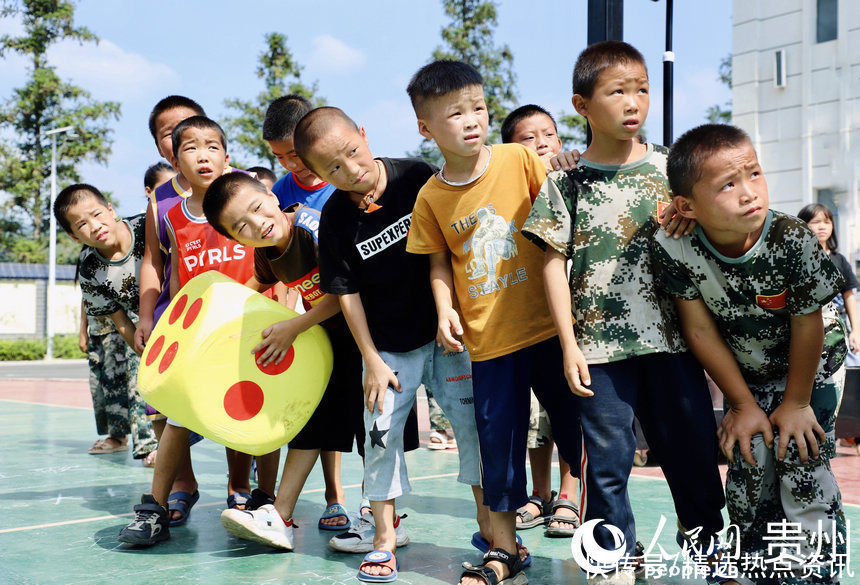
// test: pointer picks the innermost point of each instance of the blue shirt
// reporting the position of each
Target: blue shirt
(289, 191)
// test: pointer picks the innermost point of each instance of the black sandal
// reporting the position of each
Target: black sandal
(558, 532)
(516, 576)
(529, 520)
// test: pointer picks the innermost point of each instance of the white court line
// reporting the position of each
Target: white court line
(217, 503)
(45, 404)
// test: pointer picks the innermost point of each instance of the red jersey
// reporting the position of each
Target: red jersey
(199, 248)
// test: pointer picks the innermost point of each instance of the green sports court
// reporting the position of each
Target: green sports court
(64, 508)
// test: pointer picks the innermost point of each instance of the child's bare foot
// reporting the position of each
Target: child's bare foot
(109, 445)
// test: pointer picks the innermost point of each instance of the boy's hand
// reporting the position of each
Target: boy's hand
(565, 161)
(449, 331)
(377, 378)
(797, 421)
(740, 423)
(854, 341)
(141, 335)
(576, 372)
(674, 224)
(277, 340)
(84, 341)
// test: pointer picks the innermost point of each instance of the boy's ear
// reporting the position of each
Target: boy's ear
(363, 134)
(580, 104)
(684, 206)
(423, 130)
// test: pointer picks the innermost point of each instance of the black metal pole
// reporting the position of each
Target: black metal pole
(605, 23)
(668, 71)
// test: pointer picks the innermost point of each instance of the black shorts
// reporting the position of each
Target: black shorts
(338, 420)
(339, 417)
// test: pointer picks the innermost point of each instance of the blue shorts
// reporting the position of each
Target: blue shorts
(502, 401)
(450, 379)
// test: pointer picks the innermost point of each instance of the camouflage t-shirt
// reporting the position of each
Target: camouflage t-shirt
(752, 297)
(602, 218)
(110, 285)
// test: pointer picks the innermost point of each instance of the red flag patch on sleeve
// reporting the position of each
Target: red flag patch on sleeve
(771, 301)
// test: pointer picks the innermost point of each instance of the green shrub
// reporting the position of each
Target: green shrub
(65, 347)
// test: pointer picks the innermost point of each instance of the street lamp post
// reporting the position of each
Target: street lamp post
(52, 243)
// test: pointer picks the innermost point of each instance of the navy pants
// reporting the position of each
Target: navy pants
(669, 394)
(501, 388)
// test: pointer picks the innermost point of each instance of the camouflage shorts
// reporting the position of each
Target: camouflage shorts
(540, 431)
(786, 506)
(117, 405)
(438, 420)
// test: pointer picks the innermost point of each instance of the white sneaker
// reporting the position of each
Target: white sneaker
(263, 525)
(359, 538)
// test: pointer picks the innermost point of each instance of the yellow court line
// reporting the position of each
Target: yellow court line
(217, 503)
(46, 404)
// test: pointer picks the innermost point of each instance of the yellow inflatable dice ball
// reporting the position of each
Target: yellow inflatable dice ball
(198, 368)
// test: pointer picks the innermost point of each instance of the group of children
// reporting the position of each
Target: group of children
(487, 278)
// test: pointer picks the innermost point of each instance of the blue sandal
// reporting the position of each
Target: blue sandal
(382, 558)
(334, 511)
(238, 499)
(181, 502)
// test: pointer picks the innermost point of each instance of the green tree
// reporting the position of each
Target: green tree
(43, 103)
(571, 130)
(281, 75)
(469, 38)
(717, 114)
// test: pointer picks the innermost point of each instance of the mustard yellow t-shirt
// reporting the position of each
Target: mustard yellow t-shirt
(498, 279)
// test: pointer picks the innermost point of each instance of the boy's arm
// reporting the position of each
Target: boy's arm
(794, 416)
(83, 336)
(278, 338)
(151, 272)
(256, 285)
(125, 326)
(558, 297)
(442, 283)
(174, 266)
(745, 418)
(377, 375)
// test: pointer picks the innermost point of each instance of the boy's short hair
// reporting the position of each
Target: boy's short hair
(598, 57)
(71, 195)
(439, 78)
(808, 212)
(314, 126)
(199, 122)
(509, 126)
(150, 177)
(221, 191)
(282, 116)
(168, 103)
(693, 148)
(263, 173)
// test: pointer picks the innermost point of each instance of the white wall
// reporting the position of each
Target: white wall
(21, 308)
(807, 133)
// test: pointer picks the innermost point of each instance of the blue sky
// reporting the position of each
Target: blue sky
(362, 54)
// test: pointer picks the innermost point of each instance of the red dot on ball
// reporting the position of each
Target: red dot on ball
(154, 350)
(243, 400)
(178, 308)
(274, 369)
(193, 311)
(168, 356)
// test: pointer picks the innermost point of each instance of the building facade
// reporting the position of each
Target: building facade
(796, 91)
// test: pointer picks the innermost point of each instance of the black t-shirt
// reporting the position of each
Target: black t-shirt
(298, 266)
(365, 253)
(844, 267)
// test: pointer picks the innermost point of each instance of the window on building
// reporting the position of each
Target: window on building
(826, 19)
